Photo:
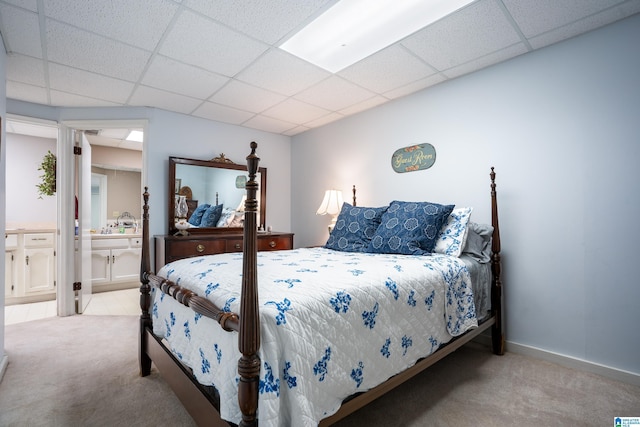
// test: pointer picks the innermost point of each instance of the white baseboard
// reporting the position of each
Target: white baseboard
(575, 363)
(566, 361)
(4, 362)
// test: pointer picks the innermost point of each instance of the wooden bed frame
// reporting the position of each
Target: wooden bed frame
(199, 401)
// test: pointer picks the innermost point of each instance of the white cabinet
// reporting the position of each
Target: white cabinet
(10, 254)
(9, 273)
(39, 273)
(29, 266)
(39, 263)
(115, 261)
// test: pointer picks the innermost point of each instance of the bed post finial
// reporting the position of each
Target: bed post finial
(249, 338)
(354, 195)
(497, 334)
(145, 289)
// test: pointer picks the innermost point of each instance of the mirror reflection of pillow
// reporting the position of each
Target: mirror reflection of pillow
(211, 216)
(238, 220)
(196, 216)
(226, 217)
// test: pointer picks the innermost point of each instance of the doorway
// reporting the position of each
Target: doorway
(101, 134)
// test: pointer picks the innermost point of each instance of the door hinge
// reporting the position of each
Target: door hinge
(77, 286)
(77, 150)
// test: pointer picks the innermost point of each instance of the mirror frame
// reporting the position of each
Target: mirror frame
(223, 163)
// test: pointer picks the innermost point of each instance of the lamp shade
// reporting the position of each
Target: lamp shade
(331, 204)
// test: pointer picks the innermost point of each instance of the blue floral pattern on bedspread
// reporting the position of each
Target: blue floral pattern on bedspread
(333, 324)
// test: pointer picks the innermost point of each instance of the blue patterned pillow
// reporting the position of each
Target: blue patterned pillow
(354, 228)
(454, 232)
(211, 216)
(409, 228)
(196, 216)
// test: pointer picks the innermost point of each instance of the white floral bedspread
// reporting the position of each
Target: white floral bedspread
(333, 324)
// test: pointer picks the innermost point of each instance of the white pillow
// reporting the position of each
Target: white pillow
(226, 217)
(453, 234)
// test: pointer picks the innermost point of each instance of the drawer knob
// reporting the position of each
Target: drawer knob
(237, 245)
(272, 244)
(200, 248)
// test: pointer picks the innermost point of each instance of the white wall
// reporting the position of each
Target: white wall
(25, 207)
(561, 127)
(3, 105)
(172, 134)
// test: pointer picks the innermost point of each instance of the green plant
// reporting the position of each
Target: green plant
(47, 185)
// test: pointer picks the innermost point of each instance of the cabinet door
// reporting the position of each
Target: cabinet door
(126, 265)
(39, 274)
(9, 274)
(100, 266)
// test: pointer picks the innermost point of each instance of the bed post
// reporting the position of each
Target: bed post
(249, 338)
(497, 335)
(145, 289)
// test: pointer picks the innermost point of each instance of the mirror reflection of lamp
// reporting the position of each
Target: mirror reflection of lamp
(181, 216)
(331, 205)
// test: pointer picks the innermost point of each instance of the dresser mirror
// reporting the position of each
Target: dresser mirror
(210, 187)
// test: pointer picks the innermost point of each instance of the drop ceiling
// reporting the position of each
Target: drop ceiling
(220, 60)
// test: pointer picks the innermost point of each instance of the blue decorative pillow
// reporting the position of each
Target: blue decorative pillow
(196, 216)
(354, 228)
(409, 228)
(454, 232)
(211, 216)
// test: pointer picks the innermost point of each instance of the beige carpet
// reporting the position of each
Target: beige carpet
(82, 371)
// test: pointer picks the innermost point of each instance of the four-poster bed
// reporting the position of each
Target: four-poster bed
(166, 328)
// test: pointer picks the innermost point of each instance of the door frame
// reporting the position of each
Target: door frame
(66, 201)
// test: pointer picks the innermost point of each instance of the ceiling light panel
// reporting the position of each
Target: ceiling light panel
(354, 29)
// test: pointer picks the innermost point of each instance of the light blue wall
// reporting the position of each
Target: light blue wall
(172, 134)
(3, 105)
(561, 126)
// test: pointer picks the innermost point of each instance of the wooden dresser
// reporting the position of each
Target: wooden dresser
(170, 248)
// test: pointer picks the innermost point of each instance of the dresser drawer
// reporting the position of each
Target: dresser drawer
(234, 245)
(38, 240)
(193, 247)
(10, 241)
(274, 243)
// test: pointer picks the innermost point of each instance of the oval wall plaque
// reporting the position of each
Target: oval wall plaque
(413, 158)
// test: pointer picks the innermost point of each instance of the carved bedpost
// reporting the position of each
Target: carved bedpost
(497, 334)
(145, 289)
(249, 338)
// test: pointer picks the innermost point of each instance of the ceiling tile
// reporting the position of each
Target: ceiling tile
(266, 20)
(73, 100)
(364, 105)
(150, 97)
(536, 17)
(31, 5)
(25, 69)
(221, 113)
(296, 130)
(388, 69)
(25, 92)
(246, 97)
(323, 94)
(487, 60)
(584, 25)
(80, 82)
(269, 124)
(282, 73)
(295, 111)
(80, 49)
(202, 42)
(181, 78)
(332, 117)
(139, 23)
(472, 32)
(20, 31)
(415, 86)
